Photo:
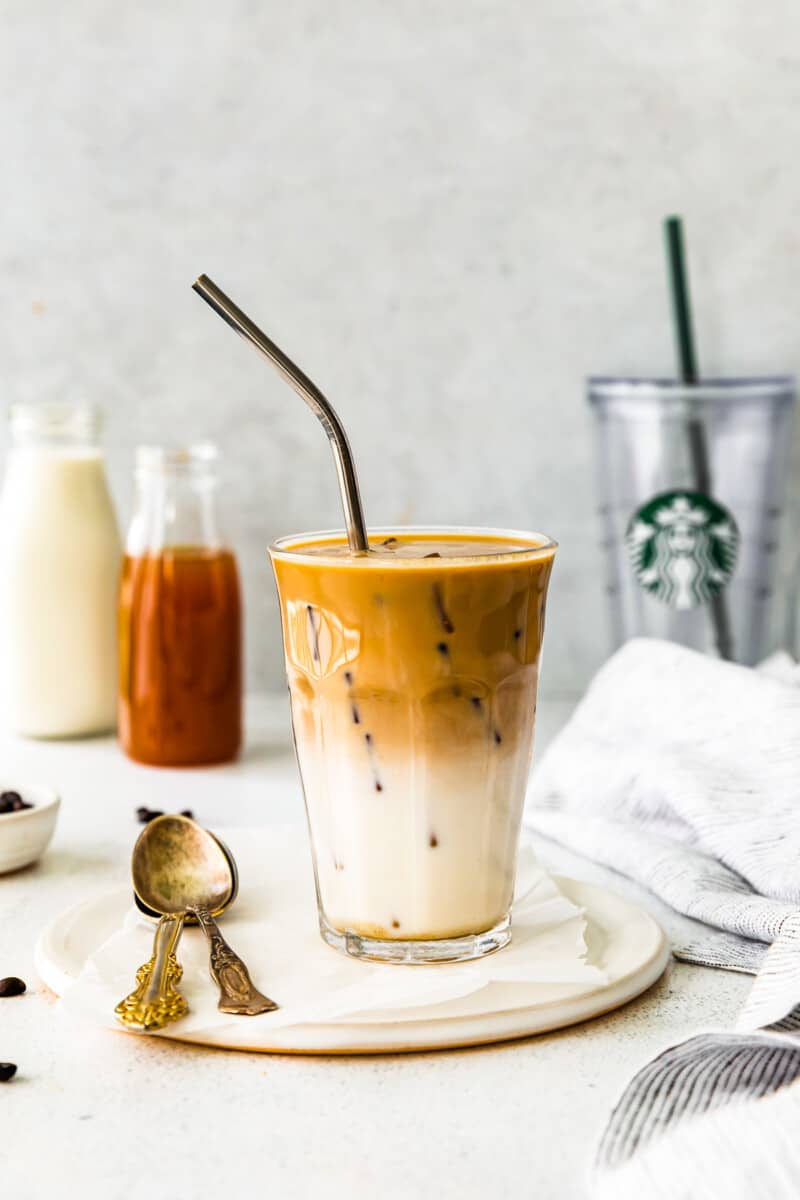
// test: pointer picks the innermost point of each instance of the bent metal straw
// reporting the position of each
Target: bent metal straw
(322, 408)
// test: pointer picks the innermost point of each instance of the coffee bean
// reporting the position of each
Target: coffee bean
(12, 986)
(433, 841)
(144, 815)
(12, 802)
(187, 812)
(7, 1071)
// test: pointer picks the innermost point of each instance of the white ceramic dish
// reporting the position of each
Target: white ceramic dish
(622, 938)
(25, 835)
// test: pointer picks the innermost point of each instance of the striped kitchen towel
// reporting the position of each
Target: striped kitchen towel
(683, 773)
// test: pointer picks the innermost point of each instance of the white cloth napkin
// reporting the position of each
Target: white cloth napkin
(683, 773)
(273, 926)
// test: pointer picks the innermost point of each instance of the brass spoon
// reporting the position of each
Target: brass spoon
(181, 869)
(238, 994)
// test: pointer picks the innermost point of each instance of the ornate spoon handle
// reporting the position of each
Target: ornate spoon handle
(237, 994)
(155, 1001)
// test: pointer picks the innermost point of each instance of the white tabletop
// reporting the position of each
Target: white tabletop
(101, 1114)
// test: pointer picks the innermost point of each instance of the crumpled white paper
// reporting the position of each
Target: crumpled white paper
(273, 926)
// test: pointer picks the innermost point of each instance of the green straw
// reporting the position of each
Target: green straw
(688, 374)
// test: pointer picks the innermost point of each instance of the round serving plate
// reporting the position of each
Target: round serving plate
(622, 938)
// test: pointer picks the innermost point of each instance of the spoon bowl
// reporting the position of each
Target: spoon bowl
(154, 914)
(183, 872)
(178, 865)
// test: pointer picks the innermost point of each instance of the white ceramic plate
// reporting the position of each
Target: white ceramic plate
(622, 938)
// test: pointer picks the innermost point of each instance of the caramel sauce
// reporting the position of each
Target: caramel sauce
(180, 633)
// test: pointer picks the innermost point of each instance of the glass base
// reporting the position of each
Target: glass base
(418, 953)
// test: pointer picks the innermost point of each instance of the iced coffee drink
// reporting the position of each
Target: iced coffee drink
(413, 672)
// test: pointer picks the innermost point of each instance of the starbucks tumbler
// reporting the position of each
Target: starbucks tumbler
(690, 556)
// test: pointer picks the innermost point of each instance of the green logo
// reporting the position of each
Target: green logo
(682, 547)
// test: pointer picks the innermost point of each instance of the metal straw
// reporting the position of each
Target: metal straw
(689, 374)
(322, 408)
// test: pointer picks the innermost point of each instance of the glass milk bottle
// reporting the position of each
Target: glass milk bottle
(180, 617)
(59, 573)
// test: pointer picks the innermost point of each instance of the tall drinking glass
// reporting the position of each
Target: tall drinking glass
(413, 672)
(691, 559)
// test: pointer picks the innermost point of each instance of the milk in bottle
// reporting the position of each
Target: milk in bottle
(60, 559)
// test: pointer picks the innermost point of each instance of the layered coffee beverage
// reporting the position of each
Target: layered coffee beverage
(413, 672)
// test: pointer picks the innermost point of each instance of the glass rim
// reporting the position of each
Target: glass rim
(284, 547)
(732, 389)
(195, 456)
(67, 420)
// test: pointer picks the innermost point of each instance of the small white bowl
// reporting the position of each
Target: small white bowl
(25, 835)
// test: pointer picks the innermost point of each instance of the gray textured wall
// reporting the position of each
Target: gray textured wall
(447, 211)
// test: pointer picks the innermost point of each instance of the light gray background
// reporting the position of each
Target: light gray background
(447, 211)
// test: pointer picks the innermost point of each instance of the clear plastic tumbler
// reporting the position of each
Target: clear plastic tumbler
(691, 553)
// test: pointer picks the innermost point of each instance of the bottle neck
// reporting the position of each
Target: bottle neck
(176, 501)
(54, 425)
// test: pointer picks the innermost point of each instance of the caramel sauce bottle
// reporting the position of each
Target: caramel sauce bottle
(180, 617)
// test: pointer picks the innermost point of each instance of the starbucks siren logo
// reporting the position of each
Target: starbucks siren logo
(683, 547)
